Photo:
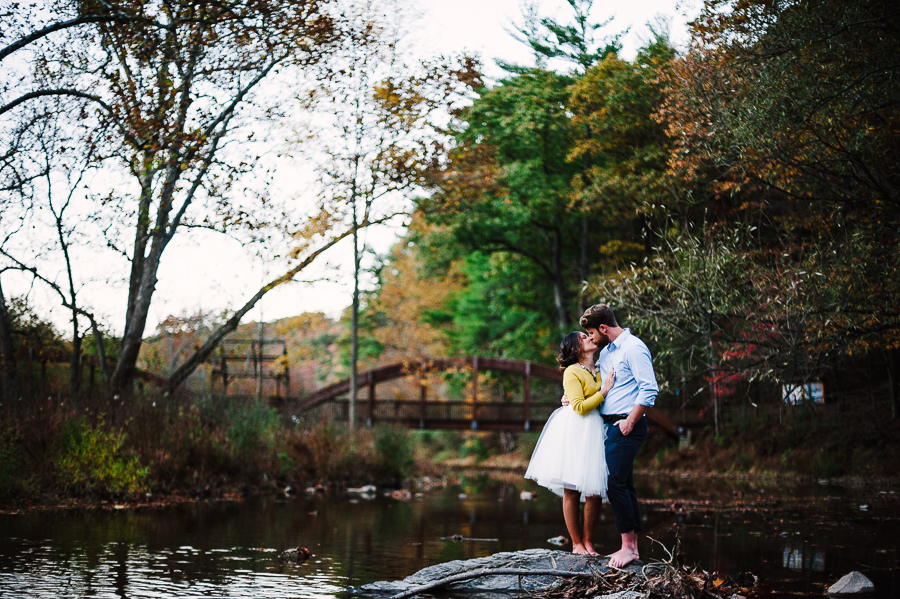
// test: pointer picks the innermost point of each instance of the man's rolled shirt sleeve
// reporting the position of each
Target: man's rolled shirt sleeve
(642, 370)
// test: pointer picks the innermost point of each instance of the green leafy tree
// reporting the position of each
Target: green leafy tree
(575, 42)
(506, 190)
(623, 144)
(555, 179)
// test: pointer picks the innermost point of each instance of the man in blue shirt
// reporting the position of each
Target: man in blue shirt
(623, 411)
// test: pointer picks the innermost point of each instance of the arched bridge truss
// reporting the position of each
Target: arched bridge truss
(475, 414)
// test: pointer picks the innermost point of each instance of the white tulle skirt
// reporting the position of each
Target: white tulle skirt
(570, 454)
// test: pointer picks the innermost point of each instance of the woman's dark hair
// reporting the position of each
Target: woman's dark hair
(569, 350)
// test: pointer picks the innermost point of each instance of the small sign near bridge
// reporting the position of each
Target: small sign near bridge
(803, 392)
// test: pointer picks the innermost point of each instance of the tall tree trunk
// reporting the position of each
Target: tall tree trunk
(75, 358)
(123, 376)
(8, 386)
(259, 357)
(584, 264)
(354, 326)
(122, 379)
(559, 292)
(141, 294)
(101, 351)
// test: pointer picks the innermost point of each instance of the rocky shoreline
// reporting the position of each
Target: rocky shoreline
(559, 575)
(497, 586)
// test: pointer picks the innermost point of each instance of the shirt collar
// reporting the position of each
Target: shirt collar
(623, 336)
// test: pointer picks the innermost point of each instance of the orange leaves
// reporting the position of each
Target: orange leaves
(408, 306)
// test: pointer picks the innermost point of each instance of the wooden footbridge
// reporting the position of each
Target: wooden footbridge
(432, 413)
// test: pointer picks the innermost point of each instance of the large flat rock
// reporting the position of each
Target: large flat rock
(855, 583)
(491, 586)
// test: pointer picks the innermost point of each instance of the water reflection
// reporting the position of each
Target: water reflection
(796, 539)
(794, 559)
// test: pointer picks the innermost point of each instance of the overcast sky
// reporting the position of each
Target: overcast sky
(220, 273)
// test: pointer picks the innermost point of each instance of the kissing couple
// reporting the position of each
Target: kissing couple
(587, 448)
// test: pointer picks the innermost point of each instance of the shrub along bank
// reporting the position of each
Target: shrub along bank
(87, 450)
(209, 446)
(212, 445)
(798, 443)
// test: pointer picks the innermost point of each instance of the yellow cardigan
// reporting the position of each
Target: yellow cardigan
(582, 391)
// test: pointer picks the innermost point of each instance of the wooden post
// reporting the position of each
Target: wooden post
(371, 381)
(474, 424)
(31, 369)
(526, 396)
(423, 393)
(257, 349)
(287, 373)
(224, 375)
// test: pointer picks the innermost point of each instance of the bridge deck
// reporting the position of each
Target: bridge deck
(460, 415)
(473, 414)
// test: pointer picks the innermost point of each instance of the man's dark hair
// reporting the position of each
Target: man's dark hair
(569, 350)
(596, 315)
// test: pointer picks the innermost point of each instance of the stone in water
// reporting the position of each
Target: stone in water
(854, 583)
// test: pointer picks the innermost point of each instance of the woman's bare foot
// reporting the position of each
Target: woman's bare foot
(580, 549)
(589, 547)
(622, 558)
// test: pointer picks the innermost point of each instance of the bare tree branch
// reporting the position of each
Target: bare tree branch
(54, 92)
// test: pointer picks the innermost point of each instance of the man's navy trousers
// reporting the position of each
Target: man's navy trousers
(620, 453)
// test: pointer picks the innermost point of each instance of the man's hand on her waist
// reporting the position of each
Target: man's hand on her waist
(564, 401)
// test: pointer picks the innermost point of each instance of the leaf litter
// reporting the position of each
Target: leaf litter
(661, 579)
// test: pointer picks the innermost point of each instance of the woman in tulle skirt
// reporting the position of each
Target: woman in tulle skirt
(569, 458)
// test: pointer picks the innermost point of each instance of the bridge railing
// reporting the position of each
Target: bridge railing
(455, 414)
(434, 413)
(462, 415)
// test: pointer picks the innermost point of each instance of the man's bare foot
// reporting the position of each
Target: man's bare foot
(622, 558)
(589, 547)
(580, 549)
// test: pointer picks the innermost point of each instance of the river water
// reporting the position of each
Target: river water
(795, 538)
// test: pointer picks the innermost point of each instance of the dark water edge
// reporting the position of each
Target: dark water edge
(796, 538)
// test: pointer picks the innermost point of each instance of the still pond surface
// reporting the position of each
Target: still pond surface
(794, 538)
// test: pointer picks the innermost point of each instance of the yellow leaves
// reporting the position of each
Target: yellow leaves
(281, 363)
(317, 225)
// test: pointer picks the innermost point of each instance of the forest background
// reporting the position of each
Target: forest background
(736, 203)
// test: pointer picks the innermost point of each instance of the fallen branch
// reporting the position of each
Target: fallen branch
(663, 578)
(490, 572)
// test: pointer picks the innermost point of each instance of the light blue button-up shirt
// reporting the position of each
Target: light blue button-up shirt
(635, 379)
